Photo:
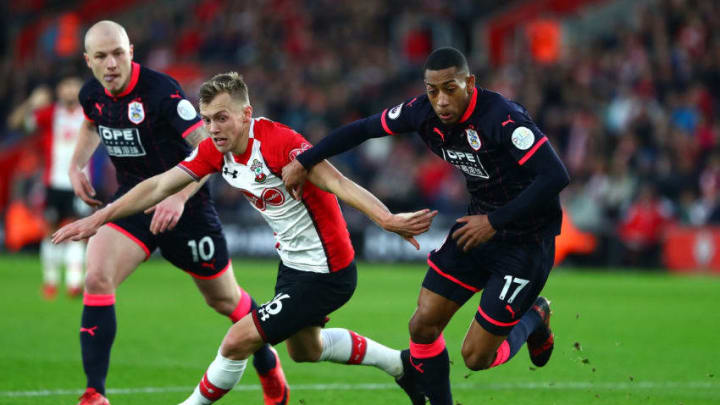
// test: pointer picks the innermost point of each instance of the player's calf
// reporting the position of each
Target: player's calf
(222, 375)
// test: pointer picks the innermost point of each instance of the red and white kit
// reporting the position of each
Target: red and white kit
(311, 234)
(60, 126)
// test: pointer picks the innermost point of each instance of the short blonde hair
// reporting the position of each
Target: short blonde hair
(231, 83)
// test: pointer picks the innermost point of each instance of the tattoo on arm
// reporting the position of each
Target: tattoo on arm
(196, 136)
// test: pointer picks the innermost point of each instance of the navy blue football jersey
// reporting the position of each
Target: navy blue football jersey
(490, 144)
(144, 127)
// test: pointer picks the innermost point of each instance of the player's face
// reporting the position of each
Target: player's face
(449, 93)
(228, 123)
(110, 58)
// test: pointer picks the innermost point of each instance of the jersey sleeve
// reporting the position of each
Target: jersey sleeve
(518, 134)
(203, 160)
(177, 109)
(279, 144)
(86, 101)
(402, 118)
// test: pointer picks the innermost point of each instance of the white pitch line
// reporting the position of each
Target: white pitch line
(568, 385)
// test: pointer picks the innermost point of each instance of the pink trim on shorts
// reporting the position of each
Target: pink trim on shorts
(98, 300)
(242, 308)
(503, 354)
(131, 237)
(451, 278)
(359, 348)
(259, 328)
(425, 351)
(494, 322)
(209, 277)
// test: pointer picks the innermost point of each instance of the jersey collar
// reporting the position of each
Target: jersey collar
(134, 74)
(471, 107)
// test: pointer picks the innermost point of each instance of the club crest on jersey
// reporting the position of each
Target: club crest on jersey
(473, 139)
(257, 168)
(136, 112)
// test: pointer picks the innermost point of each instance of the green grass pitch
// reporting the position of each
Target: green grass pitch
(621, 338)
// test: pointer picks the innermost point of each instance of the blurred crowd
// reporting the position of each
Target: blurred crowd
(631, 111)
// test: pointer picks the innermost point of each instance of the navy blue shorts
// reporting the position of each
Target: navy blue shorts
(196, 244)
(512, 274)
(302, 299)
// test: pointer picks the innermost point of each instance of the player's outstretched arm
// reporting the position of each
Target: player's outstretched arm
(407, 225)
(142, 196)
(87, 142)
(338, 141)
(167, 213)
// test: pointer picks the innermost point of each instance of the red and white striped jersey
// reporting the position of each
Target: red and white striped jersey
(61, 127)
(311, 234)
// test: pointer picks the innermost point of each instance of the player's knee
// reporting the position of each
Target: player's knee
(423, 332)
(98, 282)
(306, 355)
(236, 349)
(477, 360)
(224, 306)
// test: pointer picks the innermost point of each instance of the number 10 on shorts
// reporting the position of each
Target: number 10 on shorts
(521, 282)
(203, 249)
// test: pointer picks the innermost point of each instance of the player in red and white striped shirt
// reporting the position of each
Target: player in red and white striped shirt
(317, 273)
(58, 123)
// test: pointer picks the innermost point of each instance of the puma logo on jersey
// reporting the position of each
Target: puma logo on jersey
(508, 121)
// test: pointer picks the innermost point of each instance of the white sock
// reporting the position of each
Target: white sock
(345, 346)
(49, 256)
(222, 375)
(74, 260)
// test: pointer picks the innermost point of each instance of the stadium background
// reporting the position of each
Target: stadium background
(626, 90)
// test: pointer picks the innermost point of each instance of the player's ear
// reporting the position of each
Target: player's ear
(470, 81)
(131, 51)
(87, 59)
(247, 112)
